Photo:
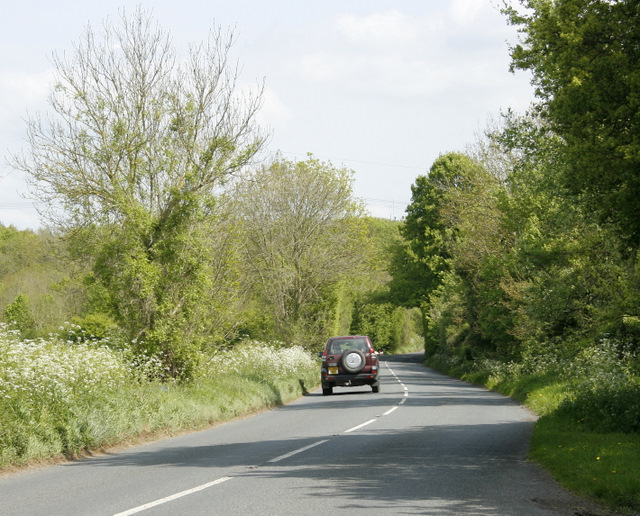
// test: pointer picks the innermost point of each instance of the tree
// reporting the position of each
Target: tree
(305, 237)
(430, 227)
(421, 258)
(440, 209)
(584, 56)
(130, 163)
(18, 315)
(564, 277)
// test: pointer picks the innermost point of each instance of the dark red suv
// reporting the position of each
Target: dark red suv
(349, 361)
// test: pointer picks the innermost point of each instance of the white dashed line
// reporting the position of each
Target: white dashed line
(295, 452)
(149, 505)
(359, 426)
(390, 410)
(167, 499)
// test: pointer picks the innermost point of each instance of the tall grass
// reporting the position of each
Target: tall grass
(61, 398)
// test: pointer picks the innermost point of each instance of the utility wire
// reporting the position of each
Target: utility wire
(355, 160)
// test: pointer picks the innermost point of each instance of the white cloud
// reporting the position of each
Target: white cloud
(398, 55)
(466, 12)
(386, 52)
(321, 66)
(24, 87)
(19, 91)
(387, 27)
(273, 109)
(378, 82)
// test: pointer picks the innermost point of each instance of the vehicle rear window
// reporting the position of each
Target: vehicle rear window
(342, 345)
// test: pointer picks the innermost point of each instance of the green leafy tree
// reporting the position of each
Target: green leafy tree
(305, 238)
(130, 163)
(441, 212)
(568, 280)
(420, 260)
(584, 56)
(18, 315)
(430, 228)
(554, 275)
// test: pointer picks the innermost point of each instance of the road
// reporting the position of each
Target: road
(426, 444)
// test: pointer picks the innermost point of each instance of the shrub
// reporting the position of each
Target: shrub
(90, 327)
(605, 409)
(18, 315)
(259, 360)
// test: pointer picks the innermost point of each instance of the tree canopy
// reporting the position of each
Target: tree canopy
(304, 234)
(431, 225)
(130, 163)
(584, 56)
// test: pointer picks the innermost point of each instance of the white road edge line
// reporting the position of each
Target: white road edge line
(359, 426)
(294, 452)
(149, 505)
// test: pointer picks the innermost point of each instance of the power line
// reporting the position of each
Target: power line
(356, 161)
(385, 202)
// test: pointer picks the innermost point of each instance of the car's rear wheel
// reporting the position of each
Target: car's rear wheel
(353, 361)
(327, 391)
(375, 387)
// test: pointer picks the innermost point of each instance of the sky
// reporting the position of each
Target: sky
(380, 87)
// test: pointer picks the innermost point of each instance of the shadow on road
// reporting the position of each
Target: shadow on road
(425, 467)
(446, 470)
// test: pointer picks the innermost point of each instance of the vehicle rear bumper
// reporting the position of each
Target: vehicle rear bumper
(349, 379)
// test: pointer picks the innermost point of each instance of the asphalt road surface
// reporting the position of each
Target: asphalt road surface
(426, 444)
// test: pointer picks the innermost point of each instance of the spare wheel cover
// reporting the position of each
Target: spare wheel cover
(353, 360)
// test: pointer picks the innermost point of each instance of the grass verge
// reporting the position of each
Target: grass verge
(601, 466)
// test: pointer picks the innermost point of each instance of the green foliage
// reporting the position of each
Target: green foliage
(606, 388)
(451, 231)
(543, 271)
(35, 265)
(446, 326)
(420, 262)
(134, 161)
(168, 292)
(391, 328)
(376, 321)
(18, 314)
(305, 239)
(605, 409)
(91, 327)
(584, 55)
(63, 398)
